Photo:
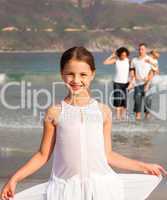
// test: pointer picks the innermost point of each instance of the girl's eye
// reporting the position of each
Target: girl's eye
(69, 74)
(83, 74)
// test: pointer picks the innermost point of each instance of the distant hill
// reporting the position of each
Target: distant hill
(97, 24)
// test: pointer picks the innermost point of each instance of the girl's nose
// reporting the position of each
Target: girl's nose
(76, 79)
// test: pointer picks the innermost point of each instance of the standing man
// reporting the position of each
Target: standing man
(141, 72)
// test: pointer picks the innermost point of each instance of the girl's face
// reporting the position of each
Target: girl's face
(156, 55)
(77, 75)
(123, 55)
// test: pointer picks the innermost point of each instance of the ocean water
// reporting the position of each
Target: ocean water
(21, 129)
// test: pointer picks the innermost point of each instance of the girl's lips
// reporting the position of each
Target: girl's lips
(76, 87)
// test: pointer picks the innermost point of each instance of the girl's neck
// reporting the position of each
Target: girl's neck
(78, 99)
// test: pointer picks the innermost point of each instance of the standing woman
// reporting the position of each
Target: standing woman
(120, 82)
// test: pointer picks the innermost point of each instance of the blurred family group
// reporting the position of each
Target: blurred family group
(136, 73)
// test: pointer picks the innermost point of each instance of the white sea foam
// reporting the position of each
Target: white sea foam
(7, 151)
(103, 80)
(2, 78)
(118, 127)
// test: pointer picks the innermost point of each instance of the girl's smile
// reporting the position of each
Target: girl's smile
(76, 87)
(77, 75)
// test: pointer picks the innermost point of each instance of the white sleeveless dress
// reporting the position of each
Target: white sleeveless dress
(80, 170)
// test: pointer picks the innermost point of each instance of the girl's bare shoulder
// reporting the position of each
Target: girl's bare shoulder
(105, 109)
(52, 113)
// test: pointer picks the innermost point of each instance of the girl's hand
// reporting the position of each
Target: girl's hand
(113, 54)
(154, 169)
(8, 190)
(131, 85)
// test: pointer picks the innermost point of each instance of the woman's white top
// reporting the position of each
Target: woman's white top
(80, 170)
(122, 71)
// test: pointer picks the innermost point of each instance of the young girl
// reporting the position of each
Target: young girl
(153, 60)
(120, 82)
(78, 132)
(154, 73)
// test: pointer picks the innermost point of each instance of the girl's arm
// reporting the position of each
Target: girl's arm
(45, 150)
(110, 60)
(155, 67)
(122, 162)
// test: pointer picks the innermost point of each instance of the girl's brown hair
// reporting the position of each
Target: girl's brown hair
(155, 53)
(77, 53)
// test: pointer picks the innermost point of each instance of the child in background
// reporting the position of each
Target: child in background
(154, 56)
(153, 60)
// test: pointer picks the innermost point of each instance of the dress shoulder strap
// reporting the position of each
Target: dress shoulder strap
(55, 118)
(101, 110)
